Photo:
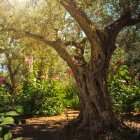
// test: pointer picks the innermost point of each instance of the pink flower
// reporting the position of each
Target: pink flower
(69, 73)
(1, 80)
(30, 67)
(120, 60)
(110, 62)
(16, 89)
(25, 60)
(42, 76)
(31, 60)
(115, 67)
(56, 77)
(122, 85)
(48, 84)
(47, 71)
(136, 78)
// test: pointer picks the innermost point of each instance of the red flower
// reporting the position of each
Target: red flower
(120, 60)
(69, 73)
(56, 77)
(112, 72)
(1, 80)
(16, 89)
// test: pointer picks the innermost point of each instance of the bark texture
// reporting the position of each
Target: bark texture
(96, 114)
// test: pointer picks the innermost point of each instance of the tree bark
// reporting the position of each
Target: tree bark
(96, 114)
(11, 74)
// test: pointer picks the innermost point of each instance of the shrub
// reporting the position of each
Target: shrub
(39, 98)
(123, 91)
(71, 96)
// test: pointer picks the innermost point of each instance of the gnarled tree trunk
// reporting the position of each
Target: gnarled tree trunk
(95, 108)
(96, 113)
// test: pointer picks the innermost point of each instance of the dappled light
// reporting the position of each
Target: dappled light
(69, 70)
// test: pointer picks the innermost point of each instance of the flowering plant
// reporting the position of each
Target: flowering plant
(122, 89)
(1, 80)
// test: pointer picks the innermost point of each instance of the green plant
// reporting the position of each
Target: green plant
(6, 120)
(71, 96)
(123, 91)
(39, 98)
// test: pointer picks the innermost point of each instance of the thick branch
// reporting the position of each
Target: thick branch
(17, 69)
(37, 37)
(134, 21)
(71, 43)
(123, 21)
(12, 78)
(79, 49)
(61, 50)
(26, 34)
(58, 45)
(85, 24)
(81, 18)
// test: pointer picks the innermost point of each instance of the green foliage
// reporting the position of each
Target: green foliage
(39, 98)
(46, 97)
(71, 97)
(123, 91)
(6, 120)
(4, 98)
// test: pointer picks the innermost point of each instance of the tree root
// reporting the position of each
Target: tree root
(123, 132)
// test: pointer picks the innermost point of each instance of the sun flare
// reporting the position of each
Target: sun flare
(21, 1)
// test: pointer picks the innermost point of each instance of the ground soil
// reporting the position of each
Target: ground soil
(51, 128)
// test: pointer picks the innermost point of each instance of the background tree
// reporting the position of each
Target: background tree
(128, 47)
(13, 57)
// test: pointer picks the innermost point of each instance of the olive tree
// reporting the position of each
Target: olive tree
(100, 31)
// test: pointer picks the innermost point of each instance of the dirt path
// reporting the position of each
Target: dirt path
(49, 128)
(43, 128)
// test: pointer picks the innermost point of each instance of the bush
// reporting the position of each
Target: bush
(71, 97)
(123, 91)
(5, 99)
(39, 98)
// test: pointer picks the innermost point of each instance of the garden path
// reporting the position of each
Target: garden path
(50, 128)
(44, 128)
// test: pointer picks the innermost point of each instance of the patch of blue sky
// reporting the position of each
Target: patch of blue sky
(67, 16)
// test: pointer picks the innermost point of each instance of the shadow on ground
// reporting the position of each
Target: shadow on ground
(51, 128)
(44, 128)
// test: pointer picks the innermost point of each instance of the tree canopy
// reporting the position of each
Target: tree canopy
(73, 27)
